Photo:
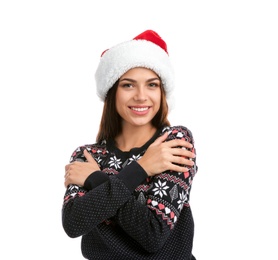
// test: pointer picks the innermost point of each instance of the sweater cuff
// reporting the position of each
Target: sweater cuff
(132, 175)
(95, 179)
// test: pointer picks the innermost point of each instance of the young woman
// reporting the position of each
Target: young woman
(127, 195)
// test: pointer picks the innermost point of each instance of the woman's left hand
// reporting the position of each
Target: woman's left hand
(77, 172)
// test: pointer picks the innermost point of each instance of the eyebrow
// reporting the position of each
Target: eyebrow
(132, 80)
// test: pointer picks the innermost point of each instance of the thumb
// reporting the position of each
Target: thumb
(161, 138)
(88, 156)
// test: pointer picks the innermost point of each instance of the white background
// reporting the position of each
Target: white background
(225, 57)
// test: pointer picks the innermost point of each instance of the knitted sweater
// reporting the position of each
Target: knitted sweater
(121, 213)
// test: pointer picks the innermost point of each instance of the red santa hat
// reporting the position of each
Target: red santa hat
(146, 50)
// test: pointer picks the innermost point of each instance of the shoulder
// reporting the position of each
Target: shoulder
(94, 149)
(178, 132)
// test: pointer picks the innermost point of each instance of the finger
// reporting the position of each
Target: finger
(182, 152)
(179, 142)
(88, 156)
(182, 161)
(178, 168)
(66, 183)
(161, 138)
(66, 174)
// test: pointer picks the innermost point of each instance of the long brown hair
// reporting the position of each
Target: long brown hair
(111, 122)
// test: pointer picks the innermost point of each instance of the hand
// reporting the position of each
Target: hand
(77, 172)
(162, 156)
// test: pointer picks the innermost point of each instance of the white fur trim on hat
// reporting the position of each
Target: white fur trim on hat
(131, 54)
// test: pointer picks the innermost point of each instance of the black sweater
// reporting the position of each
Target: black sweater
(121, 213)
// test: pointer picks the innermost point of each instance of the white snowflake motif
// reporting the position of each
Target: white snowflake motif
(179, 135)
(98, 159)
(134, 158)
(115, 162)
(73, 187)
(182, 200)
(160, 188)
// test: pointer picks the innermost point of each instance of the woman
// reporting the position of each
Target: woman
(128, 194)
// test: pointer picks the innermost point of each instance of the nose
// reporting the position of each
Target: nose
(140, 94)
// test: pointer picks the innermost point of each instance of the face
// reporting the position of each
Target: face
(138, 96)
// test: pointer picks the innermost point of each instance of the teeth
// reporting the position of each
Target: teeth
(139, 109)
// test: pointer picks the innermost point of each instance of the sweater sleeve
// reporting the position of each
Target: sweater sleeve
(150, 220)
(86, 207)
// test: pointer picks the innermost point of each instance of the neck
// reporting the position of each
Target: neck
(134, 136)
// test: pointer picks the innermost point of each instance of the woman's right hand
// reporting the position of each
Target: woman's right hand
(77, 172)
(171, 155)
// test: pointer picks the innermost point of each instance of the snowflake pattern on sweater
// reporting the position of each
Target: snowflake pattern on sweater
(162, 198)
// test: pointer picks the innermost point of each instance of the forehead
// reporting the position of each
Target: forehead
(140, 71)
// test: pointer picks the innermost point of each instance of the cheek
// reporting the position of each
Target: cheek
(120, 103)
(156, 98)
(118, 106)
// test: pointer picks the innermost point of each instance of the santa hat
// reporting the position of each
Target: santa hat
(146, 50)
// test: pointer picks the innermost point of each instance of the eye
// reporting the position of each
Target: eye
(154, 85)
(127, 85)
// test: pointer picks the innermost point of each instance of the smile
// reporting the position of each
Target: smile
(139, 109)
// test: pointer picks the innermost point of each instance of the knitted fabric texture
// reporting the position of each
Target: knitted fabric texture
(121, 213)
